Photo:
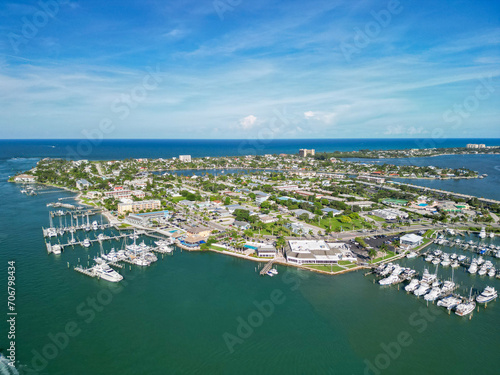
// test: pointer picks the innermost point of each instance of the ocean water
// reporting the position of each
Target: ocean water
(206, 313)
(107, 149)
(488, 187)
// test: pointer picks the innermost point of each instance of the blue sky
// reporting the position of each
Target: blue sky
(249, 69)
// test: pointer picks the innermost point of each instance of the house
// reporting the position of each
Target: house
(300, 212)
(327, 210)
(82, 184)
(243, 225)
(296, 227)
(25, 178)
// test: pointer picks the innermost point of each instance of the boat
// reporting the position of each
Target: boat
(111, 256)
(466, 308)
(95, 225)
(414, 283)
(274, 270)
(436, 260)
(433, 294)
(389, 280)
(461, 258)
(105, 272)
(445, 262)
(56, 249)
(428, 278)
(482, 271)
(449, 302)
(482, 234)
(140, 261)
(492, 235)
(473, 268)
(429, 258)
(86, 242)
(489, 294)
(454, 264)
(492, 272)
(422, 289)
(270, 273)
(51, 232)
(447, 287)
(411, 255)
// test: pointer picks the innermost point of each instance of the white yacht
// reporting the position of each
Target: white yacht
(482, 271)
(445, 262)
(436, 260)
(454, 264)
(411, 255)
(449, 302)
(141, 261)
(489, 294)
(86, 242)
(412, 285)
(389, 280)
(473, 268)
(428, 278)
(105, 272)
(492, 272)
(51, 232)
(447, 287)
(461, 258)
(56, 249)
(465, 308)
(492, 235)
(95, 225)
(429, 258)
(111, 256)
(274, 270)
(433, 294)
(422, 289)
(482, 234)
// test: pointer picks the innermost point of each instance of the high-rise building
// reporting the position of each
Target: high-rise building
(304, 152)
(185, 158)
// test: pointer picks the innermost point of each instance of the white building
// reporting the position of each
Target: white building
(317, 252)
(185, 158)
(390, 214)
(411, 240)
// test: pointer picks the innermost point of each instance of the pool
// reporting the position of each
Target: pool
(172, 231)
(250, 247)
(423, 204)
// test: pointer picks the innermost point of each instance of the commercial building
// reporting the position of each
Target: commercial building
(185, 158)
(304, 152)
(147, 218)
(476, 145)
(411, 240)
(317, 252)
(82, 184)
(153, 204)
(375, 179)
(199, 231)
(266, 251)
(121, 194)
(390, 214)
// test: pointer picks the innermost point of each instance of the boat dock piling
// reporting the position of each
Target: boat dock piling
(267, 267)
(86, 271)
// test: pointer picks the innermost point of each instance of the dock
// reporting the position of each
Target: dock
(267, 267)
(86, 271)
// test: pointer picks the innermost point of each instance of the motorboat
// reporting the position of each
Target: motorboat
(461, 258)
(447, 287)
(51, 232)
(111, 256)
(482, 271)
(436, 260)
(489, 294)
(454, 264)
(389, 280)
(449, 302)
(274, 270)
(86, 242)
(482, 233)
(140, 261)
(422, 289)
(445, 262)
(105, 272)
(428, 278)
(95, 225)
(56, 249)
(414, 283)
(473, 268)
(411, 255)
(465, 308)
(429, 258)
(492, 272)
(433, 294)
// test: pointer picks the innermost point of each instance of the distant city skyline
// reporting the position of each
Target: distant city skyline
(230, 69)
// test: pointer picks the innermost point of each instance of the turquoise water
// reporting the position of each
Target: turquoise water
(182, 314)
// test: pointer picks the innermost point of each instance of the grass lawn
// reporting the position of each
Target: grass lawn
(124, 225)
(332, 268)
(389, 255)
(345, 262)
(376, 218)
(177, 199)
(218, 248)
(429, 232)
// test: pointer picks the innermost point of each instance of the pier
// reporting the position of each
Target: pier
(267, 267)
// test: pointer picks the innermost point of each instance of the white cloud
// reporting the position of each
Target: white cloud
(309, 114)
(248, 122)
